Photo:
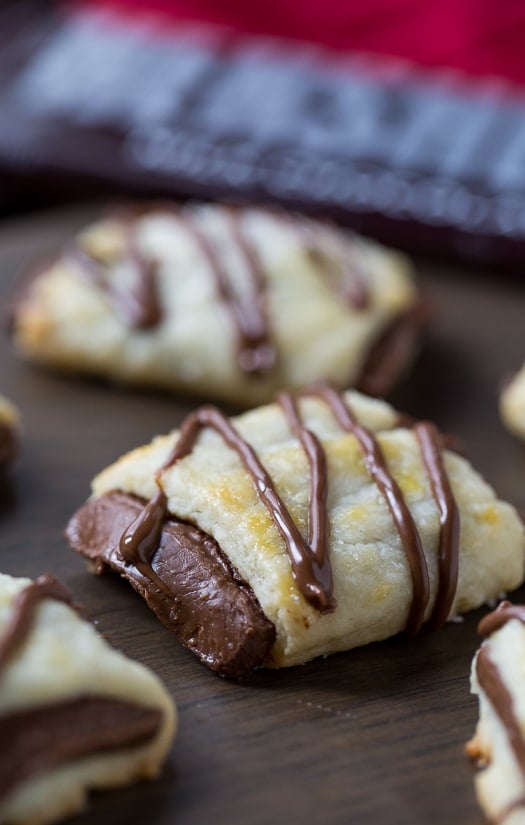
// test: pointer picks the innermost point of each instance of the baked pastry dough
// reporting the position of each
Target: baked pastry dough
(8, 432)
(512, 404)
(76, 713)
(231, 304)
(342, 526)
(498, 679)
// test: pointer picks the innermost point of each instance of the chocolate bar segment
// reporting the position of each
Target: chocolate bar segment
(47, 737)
(210, 609)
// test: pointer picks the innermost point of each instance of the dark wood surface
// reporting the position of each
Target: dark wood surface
(375, 735)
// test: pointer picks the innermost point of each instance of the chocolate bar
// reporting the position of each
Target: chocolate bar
(430, 162)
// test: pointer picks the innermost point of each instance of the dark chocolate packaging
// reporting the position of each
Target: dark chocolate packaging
(92, 104)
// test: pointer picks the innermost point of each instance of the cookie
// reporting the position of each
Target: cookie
(512, 404)
(76, 713)
(8, 432)
(301, 528)
(498, 678)
(224, 303)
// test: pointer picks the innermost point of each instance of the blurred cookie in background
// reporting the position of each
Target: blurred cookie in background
(225, 303)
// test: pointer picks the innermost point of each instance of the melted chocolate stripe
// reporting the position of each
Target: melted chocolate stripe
(501, 700)
(390, 490)
(139, 305)
(300, 555)
(309, 576)
(140, 541)
(318, 526)
(492, 684)
(263, 355)
(504, 612)
(310, 562)
(354, 289)
(256, 352)
(448, 552)
(23, 613)
(91, 268)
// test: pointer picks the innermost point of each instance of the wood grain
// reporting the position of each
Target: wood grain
(375, 735)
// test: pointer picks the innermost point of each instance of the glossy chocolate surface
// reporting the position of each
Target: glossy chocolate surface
(42, 739)
(188, 583)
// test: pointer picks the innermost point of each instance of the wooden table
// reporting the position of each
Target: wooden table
(375, 735)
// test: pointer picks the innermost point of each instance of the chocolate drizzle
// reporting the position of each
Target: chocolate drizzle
(391, 492)
(23, 614)
(490, 681)
(140, 541)
(492, 684)
(448, 556)
(504, 612)
(142, 303)
(354, 290)
(197, 592)
(318, 526)
(257, 353)
(311, 576)
(138, 305)
(309, 559)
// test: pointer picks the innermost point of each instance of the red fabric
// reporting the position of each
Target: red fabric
(482, 37)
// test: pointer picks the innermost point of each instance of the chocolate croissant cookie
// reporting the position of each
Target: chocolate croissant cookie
(227, 303)
(498, 679)
(298, 529)
(75, 714)
(512, 404)
(8, 432)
